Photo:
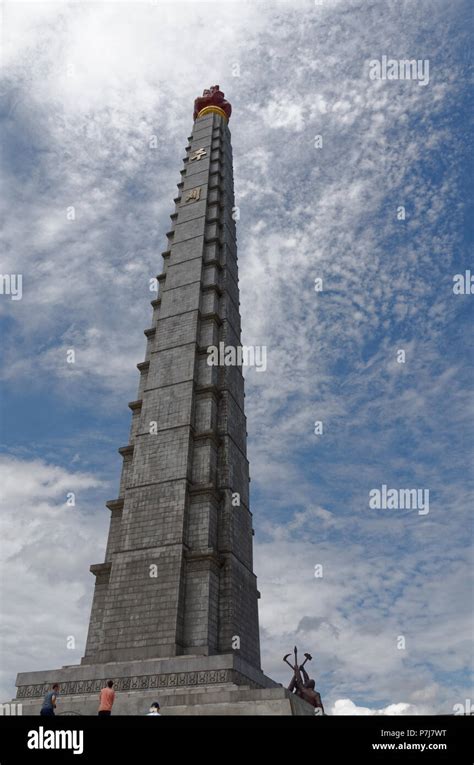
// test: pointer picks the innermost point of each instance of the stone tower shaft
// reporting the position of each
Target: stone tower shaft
(178, 574)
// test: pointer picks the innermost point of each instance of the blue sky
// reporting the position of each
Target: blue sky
(84, 88)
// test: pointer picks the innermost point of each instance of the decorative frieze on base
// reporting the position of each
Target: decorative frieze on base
(140, 682)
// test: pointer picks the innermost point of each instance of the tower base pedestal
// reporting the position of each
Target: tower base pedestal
(184, 685)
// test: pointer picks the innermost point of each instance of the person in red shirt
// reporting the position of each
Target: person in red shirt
(107, 696)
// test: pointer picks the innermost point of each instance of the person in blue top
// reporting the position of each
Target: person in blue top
(49, 703)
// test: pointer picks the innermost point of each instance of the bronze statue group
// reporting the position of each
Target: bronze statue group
(302, 685)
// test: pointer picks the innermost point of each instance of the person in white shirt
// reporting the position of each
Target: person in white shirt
(154, 710)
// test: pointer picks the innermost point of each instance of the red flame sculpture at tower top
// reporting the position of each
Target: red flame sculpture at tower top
(212, 100)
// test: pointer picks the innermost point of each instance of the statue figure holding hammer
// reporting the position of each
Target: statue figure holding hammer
(302, 685)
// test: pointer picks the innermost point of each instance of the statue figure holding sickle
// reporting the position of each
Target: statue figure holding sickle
(302, 685)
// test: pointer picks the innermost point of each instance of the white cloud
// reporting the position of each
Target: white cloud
(347, 707)
(280, 112)
(350, 618)
(46, 550)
